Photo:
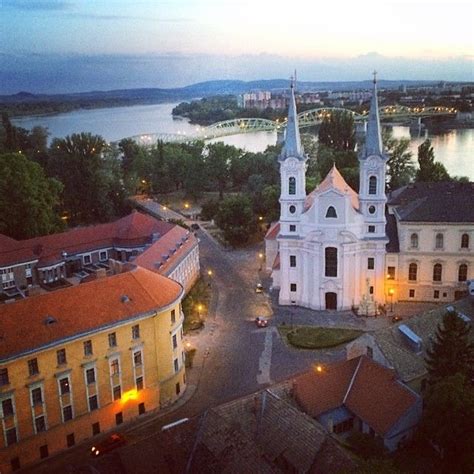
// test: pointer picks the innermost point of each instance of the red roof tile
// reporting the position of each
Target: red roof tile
(82, 308)
(369, 390)
(273, 231)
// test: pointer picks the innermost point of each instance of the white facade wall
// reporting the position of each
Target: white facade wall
(187, 272)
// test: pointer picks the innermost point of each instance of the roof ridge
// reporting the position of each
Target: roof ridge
(352, 380)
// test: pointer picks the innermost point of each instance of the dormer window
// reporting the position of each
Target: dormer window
(331, 212)
(292, 185)
(372, 185)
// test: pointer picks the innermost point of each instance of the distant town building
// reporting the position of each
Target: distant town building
(264, 99)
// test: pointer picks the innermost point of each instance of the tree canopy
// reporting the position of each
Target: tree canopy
(429, 169)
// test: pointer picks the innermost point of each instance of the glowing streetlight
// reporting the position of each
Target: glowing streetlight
(260, 257)
(260, 218)
(186, 205)
(391, 292)
(319, 368)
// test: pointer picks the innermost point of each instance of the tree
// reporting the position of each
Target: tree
(209, 209)
(270, 203)
(451, 350)
(219, 157)
(401, 169)
(28, 199)
(448, 420)
(337, 132)
(346, 162)
(430, 171)
(236, 219)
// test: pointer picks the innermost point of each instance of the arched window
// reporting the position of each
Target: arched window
(437, 271)
(372, 185)
(292, 185)
(462, 272)
(414, 241)
(330, 254)
(331, 212)
(439, 244)
(412, 271)
(465, 241)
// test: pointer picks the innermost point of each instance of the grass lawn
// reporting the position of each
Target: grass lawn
(195, 305)
(311, 337)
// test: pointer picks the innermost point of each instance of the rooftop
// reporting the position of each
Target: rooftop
(50, 318)
(368, 389)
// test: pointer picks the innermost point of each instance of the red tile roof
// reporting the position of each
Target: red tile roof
(82, 308)
(273, 231)
(132, 230)
(369, 390)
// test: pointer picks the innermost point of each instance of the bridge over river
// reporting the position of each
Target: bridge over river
(306, 119)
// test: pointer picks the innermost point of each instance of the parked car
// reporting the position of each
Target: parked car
(259, 288)
(195, 226)
(261, 322)
(110, 443)
(396, 319)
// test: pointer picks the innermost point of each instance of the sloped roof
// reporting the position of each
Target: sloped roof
(393, 245)
(434, 202)
(132, 230)
(81, 309)
(273, 231)
(333, 180)
(276, 262)
(368, 389)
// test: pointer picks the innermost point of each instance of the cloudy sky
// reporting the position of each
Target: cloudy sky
(69, 45)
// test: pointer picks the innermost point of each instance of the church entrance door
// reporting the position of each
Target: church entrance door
(331, 300)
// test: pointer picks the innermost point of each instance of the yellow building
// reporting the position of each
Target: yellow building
(81, 360)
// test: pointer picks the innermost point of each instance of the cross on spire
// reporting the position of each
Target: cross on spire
(375, 76)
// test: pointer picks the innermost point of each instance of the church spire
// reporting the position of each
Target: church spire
(292, 146)
(373, 141)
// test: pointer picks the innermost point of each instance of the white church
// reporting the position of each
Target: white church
(331, 248)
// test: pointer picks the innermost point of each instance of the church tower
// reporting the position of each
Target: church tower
(292, 173)
(372, 169)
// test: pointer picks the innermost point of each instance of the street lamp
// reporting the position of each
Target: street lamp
(391, 291)
(260, 256)
(199, 308)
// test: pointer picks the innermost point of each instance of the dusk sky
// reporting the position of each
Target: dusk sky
(173, 43)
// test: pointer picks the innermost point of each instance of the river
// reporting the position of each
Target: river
(455, 149)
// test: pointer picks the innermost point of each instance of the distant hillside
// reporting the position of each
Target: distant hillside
(25, 103)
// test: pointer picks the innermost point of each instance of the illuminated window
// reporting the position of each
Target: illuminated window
(390, 273)
(64, 386)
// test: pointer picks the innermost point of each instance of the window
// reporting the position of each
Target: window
(112, 339)
(175, 341)
(372, 185)
(93, 403)
(331, 261)
(70, 441)
(292, 209)
(114, 367)
(439, 241)
(292, 185)
(36, 396)
(86, 259)
(372, 209)
(139, 383)
(61, 356)
(370, 352)
(40, 424)
(173, 316)
(178, 389)
(95, 428)
(462, 272)
(103, 255)
(293, 287)
(136, 331)
(464, 241)
(437, 272)
(371, 229)
(371, 290)
(7, 407)
(44, 453)
(370, 263)
(436, 294)
(137, 358)
(4, 380)
(292, 260)
(90, 376)
(141, 408)
(331, 212)
(344, 426)
(88, 348)
(67, 413)
(117, 392)
(64, 386)
(292, 228)
(412, 271)
(176, 365)
(411, 293)
(119, 418)
(390, 273)
(33, 368)
(414, 241)
(10, 435)
(15, 463)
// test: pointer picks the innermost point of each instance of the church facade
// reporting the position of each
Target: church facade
(330, 249)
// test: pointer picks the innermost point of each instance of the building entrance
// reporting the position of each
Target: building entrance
(331, 300)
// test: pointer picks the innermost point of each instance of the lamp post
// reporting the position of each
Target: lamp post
(209, 274)
(199, 308)
(391, 291)
(260, 257)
